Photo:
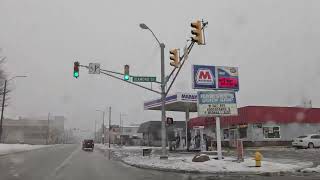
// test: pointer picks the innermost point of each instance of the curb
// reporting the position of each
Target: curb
(244, 173)
(207, 172)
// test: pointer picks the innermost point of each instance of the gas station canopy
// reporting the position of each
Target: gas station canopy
(177, 102)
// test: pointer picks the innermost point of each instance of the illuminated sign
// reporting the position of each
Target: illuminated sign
(228, 77)
(215, 77)
(204, 77)
(216, 103)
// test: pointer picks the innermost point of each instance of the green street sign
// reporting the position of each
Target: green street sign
(143, 79)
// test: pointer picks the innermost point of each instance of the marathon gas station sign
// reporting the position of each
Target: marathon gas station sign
(215, 77)
(217, 103)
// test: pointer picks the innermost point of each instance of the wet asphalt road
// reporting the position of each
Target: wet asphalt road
(69, 162)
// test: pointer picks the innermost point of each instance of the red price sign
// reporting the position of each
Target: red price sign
(225, 82)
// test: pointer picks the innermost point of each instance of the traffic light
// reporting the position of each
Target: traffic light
(76, 69)
(197, 31)
(169, 120)
(174, 57)
(126, 72)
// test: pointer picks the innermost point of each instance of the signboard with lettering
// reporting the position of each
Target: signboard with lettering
(204, 77)
(144, 79)
(215, 77)
(228, 77)
(217, 103)
(187, 97)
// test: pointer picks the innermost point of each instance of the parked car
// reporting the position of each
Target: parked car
(307, 141)
(88, 144)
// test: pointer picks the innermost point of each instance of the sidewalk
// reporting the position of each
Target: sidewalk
(183, 163)
(14, 148)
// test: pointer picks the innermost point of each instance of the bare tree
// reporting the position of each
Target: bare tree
(3, 76)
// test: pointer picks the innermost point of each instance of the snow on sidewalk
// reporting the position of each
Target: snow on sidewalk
(12, 148)
(309, 170)
(226, 165)
(129, 148)
(183, 162)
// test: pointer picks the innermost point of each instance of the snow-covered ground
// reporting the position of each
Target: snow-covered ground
(129, 148)
(282, 149)
(213, 166)
(314, 169)
(183, 162)
(12, 148)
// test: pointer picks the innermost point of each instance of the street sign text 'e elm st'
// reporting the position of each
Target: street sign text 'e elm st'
(144, 79)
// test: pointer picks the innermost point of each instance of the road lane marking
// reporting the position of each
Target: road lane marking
(63, 164)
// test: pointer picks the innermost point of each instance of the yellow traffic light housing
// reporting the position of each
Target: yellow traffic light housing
(197, 32)
(174, 57)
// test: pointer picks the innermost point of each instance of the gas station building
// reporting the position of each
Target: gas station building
(255, 125)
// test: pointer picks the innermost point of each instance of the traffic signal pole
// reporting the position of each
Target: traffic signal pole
(164, 154)
(163, 84)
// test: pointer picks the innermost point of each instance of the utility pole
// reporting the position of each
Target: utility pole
(109, 125)
(121, 126)
(48, 129)
(120, 131)
(95, 130)
(103, 128)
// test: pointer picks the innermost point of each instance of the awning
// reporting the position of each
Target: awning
(176, 102)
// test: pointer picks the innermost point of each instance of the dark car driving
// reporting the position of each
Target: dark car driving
(88, 144)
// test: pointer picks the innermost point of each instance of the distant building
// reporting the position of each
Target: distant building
(262, 125)
(125, 135)
(31, 131)
(151, 132)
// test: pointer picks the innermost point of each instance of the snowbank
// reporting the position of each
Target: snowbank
(125, 148)
(103, 146)
(314, 169)
(12, 148)
(183, 162)
(227, 165)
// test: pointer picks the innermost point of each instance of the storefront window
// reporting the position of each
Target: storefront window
(226, 134)
(271, 132)
(243, 132)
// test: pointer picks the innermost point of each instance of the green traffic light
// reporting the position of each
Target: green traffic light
(126, 77)
(76, 74)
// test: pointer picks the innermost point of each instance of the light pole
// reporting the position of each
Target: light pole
(3, 101)
(103, 128)
(95, 130)
(164, 154)
(109, 132)
(48, 129)
(121, 126)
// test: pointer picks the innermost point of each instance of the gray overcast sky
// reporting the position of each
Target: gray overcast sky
(274, 43)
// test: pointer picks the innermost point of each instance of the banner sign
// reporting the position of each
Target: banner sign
(216, 103)
(215, 77)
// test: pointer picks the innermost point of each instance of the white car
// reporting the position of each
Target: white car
(307, 141)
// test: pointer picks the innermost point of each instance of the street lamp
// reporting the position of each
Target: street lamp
(164, 154)
(121, 126)
(3, 101)
(103, 128)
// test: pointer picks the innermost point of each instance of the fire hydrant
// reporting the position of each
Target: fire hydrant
(258, 158)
